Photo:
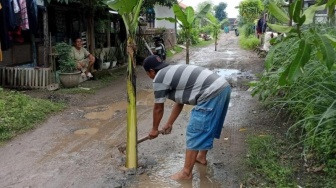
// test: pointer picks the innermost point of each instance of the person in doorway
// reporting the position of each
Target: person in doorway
(192, 85)
(83, 58)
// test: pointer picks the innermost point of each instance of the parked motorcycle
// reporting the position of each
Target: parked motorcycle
(160, 48)
(236, 31)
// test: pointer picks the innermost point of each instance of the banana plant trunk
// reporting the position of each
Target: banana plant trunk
(216, 45)
(131, 146)
(187, 51)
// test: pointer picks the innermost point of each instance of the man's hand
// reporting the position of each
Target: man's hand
(167, 128)
(153, 134)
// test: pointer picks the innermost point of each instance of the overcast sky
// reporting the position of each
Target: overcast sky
(231, 11)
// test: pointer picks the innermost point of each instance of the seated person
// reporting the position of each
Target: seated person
(83, 58)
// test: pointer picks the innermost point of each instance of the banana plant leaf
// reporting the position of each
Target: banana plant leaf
(278, 13)
(310, 12)
(295, 69)
(327, 50)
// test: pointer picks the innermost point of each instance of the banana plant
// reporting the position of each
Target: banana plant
(323, 43)
(216, 26)
(129, 11)
(186, 20)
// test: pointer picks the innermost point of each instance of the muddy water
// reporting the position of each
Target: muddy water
(159, 176)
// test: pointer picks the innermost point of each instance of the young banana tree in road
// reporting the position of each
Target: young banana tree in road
(216, 26)
(129, 11)
(186, 19)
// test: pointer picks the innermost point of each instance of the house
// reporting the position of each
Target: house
(28, 59)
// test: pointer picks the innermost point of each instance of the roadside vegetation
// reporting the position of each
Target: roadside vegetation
(19, 113)
(299, 79)
(249, 12)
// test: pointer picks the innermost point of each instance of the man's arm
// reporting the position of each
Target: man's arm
(177, 108)
(91, 58)
(157, 116)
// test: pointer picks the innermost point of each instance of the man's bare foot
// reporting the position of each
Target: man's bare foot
(181, 176)
(201, 161)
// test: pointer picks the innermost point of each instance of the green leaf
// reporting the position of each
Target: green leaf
(301, 58)
(302, 19)
(204, 11)
(122, 6)
(180, 15)
(269, 58)
(330, 2)
(296, 9)
(278, 13)
(310, 12)
(327, 50)
(280, 28)
(170, 19)
(331, 39)
(283, 77)
(190, 14)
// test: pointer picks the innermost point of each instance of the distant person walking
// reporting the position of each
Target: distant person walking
(261, 27)
(226, 29)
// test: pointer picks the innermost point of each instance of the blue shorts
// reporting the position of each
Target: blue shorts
(206, 121)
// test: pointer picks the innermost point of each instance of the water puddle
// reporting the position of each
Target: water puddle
(227, 72)
(234, 74)
(229, 52)
(90, 131)
(105, 112)
(159, 176)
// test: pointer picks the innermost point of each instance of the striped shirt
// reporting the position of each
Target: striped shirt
(187, 84)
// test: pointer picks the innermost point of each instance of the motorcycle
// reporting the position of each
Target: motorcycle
(236, 31)
(159, 48)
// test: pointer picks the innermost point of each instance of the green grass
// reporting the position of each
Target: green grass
(204, 43)
(266, 159)
(248, 43)
(19, 113)
(278, 162)
(177, 50)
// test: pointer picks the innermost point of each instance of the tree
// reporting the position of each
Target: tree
(186, 19)
(220, 13)
(249, 10)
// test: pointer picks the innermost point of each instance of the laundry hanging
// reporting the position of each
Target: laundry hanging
(32, 15)
(24, 15)
(4, 25)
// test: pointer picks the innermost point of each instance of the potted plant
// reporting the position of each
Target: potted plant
(113, 56)
(68, 74)
(106, 62)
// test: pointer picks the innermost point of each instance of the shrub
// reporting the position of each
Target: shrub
(249, 42)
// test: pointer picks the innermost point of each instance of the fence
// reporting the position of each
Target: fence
(25, 78)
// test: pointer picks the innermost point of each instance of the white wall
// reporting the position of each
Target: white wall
(163, 12)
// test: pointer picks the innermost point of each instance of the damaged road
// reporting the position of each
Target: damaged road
(78, 147)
